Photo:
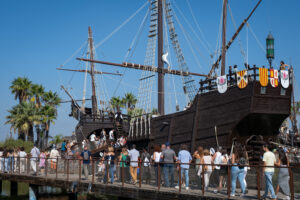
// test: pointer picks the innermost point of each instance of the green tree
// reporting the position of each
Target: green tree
(20, 87)
(57, 139)
(117, 103)
(49, 112)
(22, 118)
(37, 92)
(129, 100)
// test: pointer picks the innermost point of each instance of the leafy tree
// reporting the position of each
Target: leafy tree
(57, 139)
(129, 100)
(37, 91)
(117, 103)
(22, 118)
(20, 87)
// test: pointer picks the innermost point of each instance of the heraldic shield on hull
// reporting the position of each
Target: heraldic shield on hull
(263, 77)
(222, 84)
(274, 77)
(284, 78)
(242, 78)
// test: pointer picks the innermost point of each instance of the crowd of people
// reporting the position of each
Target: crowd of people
(125, 165)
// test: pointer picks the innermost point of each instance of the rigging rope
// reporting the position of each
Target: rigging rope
(66, 61)
(186, 35)
(136, 38)
(123, 24)
(84, 86)
(239, 40)
(197, 25)
(194, 32)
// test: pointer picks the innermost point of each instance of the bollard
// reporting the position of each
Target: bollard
(140, 175)
(229, 181)
(258, 182)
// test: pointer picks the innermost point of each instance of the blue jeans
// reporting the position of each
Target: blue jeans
(269, 186)
(111, 173)
(237, 173)
(185, 171)
(169, 170)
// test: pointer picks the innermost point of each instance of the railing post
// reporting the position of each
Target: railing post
(19, 159)
(258, 181)
(68, 170)
(28, 164)
(37, 166)
(140, 175)
(93, 171)
(158, 181)
(179, 171)
(229, 181)
(46, 166)
(106, 172)
(122, 165)
(79, 170)
(291, 183)
(56, 167)
(202, 180)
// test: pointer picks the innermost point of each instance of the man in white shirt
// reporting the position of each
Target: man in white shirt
(93, 140)
(269, 160)
(134, 158)
(35, 153)
(111, 135)
(54, 155)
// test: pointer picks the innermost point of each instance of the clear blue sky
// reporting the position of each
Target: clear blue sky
(37, 36)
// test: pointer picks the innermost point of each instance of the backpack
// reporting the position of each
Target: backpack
(85, 155)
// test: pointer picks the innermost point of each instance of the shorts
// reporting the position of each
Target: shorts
(53, 165)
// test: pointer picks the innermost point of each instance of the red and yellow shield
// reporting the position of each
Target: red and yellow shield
(242, 79)
(263, 76)
(274, 77)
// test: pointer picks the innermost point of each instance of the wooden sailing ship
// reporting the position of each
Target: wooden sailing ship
(249, 116)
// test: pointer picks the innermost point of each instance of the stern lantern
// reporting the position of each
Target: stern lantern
(270, 48)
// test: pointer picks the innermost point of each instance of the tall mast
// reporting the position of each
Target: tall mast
(224, 38)
(92, 73)
(161, 93)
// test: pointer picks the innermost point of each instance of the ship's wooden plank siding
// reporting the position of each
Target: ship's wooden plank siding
(238, 113)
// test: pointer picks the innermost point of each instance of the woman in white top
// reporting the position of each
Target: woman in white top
(156, 159)
(207, 159)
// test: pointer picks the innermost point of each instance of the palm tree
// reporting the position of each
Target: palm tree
(130, 100)
(22, 119)
(117, 103)
(37, 91)
(20, 88)
(49, 112)
(57, 139)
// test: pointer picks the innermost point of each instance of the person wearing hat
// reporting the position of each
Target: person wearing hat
(169, 157)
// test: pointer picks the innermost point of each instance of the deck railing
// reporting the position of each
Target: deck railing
(209, 85)
(70, 169)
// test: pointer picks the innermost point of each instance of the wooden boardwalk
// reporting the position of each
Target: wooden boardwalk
(146, 191)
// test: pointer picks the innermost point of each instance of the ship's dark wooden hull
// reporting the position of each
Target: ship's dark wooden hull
(237, 114)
